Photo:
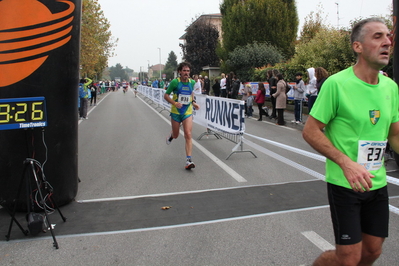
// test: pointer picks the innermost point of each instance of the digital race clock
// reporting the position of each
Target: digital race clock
(19, 113)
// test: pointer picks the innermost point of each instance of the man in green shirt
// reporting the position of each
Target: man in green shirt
(358, 107)
(182, 104)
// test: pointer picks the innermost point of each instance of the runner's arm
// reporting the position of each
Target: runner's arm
(196, 106)
(171, 101)
(393, 137)
(358, 177)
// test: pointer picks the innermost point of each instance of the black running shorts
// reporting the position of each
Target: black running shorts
(354, 213)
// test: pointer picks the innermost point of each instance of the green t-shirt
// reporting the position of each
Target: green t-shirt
(357, 114)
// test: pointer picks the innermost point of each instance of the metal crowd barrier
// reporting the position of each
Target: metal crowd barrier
(238, 139)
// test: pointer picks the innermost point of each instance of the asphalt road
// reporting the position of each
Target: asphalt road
(269, 210)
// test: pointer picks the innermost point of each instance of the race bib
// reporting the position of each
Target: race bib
(371, 153)
(184, 99)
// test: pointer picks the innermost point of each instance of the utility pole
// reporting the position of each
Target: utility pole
(337, 14)
(160, 65)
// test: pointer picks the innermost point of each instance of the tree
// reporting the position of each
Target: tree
(117, 71)
(248, 21)
(96, 40)
(330, 48)
(313, 24)
(245, 59)
(200, 46)
(171, 65)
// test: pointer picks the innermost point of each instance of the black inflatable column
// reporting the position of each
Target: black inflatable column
(39, 57)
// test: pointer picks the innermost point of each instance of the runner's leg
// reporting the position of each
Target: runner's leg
(188, 127)
(175, 128)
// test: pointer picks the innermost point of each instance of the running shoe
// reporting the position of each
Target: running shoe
(169, 139)
(189, 164)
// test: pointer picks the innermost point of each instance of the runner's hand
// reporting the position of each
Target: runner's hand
(196, 106)
(178, 105)
(358, 177)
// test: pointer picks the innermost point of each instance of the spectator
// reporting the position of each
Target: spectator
(299, 89)
(161, 84)
(281, 99)
(244, 91)
(207, 85)
(272, 80)
(223, 90)
(93, 90)
(260, 99)
(155, 83)
(249, 103)
(321, 75)
(216, 88)
(84, 96)
(229, 84)
(235, 87)
(198, 85)
(312, 88)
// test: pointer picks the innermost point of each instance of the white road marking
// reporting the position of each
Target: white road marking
(188, 192)
(394, 209)
(316, 239)
(138, 230)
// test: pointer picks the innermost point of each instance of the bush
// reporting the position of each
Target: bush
(243, 60)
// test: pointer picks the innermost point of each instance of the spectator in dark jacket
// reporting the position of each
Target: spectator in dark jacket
(235, 87)
(207, 85)
(216, 88)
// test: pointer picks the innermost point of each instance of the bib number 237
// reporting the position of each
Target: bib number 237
(371, 153)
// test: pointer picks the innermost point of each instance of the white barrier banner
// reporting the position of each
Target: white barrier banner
(220, 114)
(165, 104)
(216, 113)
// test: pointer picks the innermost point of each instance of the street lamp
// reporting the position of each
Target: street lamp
(337, 14)
(160, 65)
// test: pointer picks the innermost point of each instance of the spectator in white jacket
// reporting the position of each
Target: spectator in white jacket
(312, 88)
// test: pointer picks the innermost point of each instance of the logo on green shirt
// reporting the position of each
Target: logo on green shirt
(374, 116)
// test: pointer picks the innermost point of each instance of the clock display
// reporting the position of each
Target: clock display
(18, 113)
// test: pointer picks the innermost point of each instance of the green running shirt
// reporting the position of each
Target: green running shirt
(358, 116)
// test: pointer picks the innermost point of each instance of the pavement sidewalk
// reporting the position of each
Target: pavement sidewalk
(288, 117)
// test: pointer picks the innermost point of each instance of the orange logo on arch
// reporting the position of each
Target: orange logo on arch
(28, 32)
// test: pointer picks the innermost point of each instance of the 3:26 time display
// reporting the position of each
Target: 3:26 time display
(22, 113)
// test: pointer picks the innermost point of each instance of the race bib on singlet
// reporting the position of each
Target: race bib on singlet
(184, 99)
(371, 153)
(184, 95)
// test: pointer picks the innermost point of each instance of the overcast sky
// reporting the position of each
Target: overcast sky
(144, 26)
